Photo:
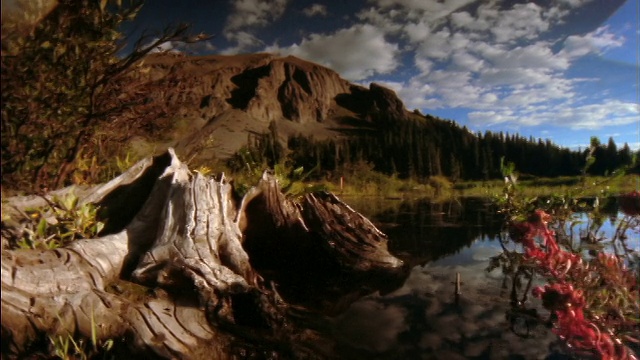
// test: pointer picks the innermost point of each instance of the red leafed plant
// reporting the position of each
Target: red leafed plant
(595, 302)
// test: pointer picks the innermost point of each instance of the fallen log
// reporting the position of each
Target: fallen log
(179, 270)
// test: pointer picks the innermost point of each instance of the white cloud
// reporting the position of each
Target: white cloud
(574, 3)
(534, 56)
(415, 95)
(168, 46)
(315, 10)
(437, 46)
(577, 117)
(594, 42)
(492, 117)
(356, 53)
(244, 42)
(386, 21)
(253, 13)
(429, 10)
(487, 57)
(523, 21)
(424, 65)
(596, 116)
(199, 47)
(465, 61)
(464, 20)
(417, 32)
(489, 60)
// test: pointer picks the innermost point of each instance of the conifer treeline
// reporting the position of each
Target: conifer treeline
(422, 146)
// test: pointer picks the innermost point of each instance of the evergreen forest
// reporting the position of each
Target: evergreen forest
(419, 147)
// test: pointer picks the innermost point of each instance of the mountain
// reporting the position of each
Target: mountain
(286, 106)
(227, 98)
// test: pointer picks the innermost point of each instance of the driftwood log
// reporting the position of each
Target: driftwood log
(183, 269)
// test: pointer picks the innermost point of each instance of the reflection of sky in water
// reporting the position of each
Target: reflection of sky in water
(607, 230)
(480, 251)
(421, 320)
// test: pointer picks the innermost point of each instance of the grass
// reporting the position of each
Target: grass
(362, 181)
(590, 186)
(379, 185)
(62, 221)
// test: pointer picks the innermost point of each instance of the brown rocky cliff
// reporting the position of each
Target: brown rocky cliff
(385, 103)
(227, 96)
(266, 87)
(290, 88)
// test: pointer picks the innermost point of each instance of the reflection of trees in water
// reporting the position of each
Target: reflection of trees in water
(424, 230)
(418, 231)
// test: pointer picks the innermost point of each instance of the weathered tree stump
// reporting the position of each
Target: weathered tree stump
(177, 270)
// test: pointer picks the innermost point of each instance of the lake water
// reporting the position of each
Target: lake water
(421, 317)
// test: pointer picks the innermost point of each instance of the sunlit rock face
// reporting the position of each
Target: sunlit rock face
(227, 97)
(296, 90)
(266, 87)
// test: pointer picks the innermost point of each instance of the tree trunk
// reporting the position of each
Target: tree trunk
(179, 270)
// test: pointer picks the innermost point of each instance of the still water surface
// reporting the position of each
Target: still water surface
(422, 318)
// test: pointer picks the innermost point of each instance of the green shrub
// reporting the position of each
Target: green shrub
(66, 79)
(62, 221)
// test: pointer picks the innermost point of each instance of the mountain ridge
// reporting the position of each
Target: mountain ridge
(320, 120)
(229, 97)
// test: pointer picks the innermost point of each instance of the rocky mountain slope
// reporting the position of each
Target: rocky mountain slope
(226, 98)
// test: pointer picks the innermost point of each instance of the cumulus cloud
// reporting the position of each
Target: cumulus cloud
(534, 56)
(315, 10)
(466, 61)
(415, 94)
(356, 53)
(463, 20)
(200, 47)
(385, 20)
(428, 10)
(244, 42)
(168, 46)
(521, 21)
(417, 32)
(577, 117)
(596, 116)
(247, 14)
(499, 60)
(490, 58)
(597, 41)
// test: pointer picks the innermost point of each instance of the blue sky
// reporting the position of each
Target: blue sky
(559, 69)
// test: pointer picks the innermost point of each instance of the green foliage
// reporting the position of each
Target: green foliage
(265, 152)
(53, 80)
(292, 180)
(246, 168)
(248, 165)
(441, 185)
(59, 223)
(66, 79)
(67, 347)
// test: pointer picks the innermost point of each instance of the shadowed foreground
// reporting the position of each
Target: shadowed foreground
(178, 272)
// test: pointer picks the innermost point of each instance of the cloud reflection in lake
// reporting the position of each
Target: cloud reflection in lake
(422, 320)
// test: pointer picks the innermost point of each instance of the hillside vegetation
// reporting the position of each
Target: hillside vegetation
(66, 120)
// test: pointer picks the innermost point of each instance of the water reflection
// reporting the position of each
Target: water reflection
(422, 319)
(422, 230)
